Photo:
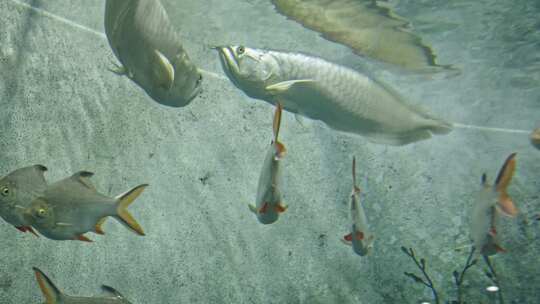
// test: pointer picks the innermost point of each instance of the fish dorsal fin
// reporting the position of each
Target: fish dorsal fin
(164, 71)
(284, 86)
(506, 173)
(83, 177)
(112, 291)
(484, 179)
(277, 121)
(50, 292)
(501, 184)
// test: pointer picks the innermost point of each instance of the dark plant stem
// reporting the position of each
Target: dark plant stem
(460, 277)
(422, 266)
(494, 278)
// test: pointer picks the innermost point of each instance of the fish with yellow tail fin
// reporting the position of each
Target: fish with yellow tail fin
(72, 207)
(342, 98)
(492, 201)
(360, 238)
(535, 138)
(150, 50)
(53, 295)
(17, 191)
(269, 204)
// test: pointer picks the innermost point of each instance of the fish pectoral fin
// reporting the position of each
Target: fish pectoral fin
(499, 248)
(253, 209)
(263, 209)
(163, 70)
(284, 86)
(83, 239)
(348, 237)
(51, 293)
(119, 70)
(280, 208)
(112, 291)
(60, 224)
(27, 229)
(98, 229)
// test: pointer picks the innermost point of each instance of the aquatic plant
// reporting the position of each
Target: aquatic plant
(422, 266)
(459, 277)
(492, 275)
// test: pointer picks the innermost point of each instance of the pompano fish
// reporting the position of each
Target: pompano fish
(367, 27)
(489, 203)
(72, 207)
(149, 48)
(360, 238)
(269, 202)
(340, 97)
(535, 138)
(54, 296)
(17, 191)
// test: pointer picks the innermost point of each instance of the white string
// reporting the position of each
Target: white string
(219, 76)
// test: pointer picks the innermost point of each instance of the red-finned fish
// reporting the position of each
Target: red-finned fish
(53, 295)
(17, 191)
(72, 207)
(360, 237)
(269, 203)
(491, 201)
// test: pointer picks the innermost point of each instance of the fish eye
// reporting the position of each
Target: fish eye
(41, 212)
(5, 191)
(241, 50)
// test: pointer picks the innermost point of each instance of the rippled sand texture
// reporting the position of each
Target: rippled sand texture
(61, 107)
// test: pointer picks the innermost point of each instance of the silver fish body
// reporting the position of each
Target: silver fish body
(54, 296)
(269, 203)
(360, 237)
(484, 222)
(72, 206)
(17, 191)
(149, 48)
(344, 99)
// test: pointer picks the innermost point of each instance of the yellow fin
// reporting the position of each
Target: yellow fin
(253, 209)
(98, 228)
(501, 184)
(49, 290)
(124, 200)
(277, 121)
(164, 71)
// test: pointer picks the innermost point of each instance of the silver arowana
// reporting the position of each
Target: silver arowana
(53, 295)
(340, 97)
(144, 41)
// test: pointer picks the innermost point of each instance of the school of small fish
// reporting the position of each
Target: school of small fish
(152, 56)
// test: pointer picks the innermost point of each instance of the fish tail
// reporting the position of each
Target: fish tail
(505, 203)
(438, 126)
(51, 293)
(124, 200)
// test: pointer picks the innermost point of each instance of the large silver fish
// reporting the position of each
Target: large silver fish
(360, 237)
(72, 207)
(340, 97)
(18, 190)
(368, 27)
(489, 203)
(149, 48)
(53, 295)
(269, 202)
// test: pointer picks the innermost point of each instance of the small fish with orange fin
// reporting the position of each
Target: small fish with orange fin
(53, 295)
(360, 238)
(72, 207)
(491, 201)
(269, 203)
(17, 191)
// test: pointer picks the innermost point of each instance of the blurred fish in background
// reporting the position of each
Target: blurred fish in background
(150, 51)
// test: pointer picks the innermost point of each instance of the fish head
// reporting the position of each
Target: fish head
(40, 213)
(249, 69)
(19, 188)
